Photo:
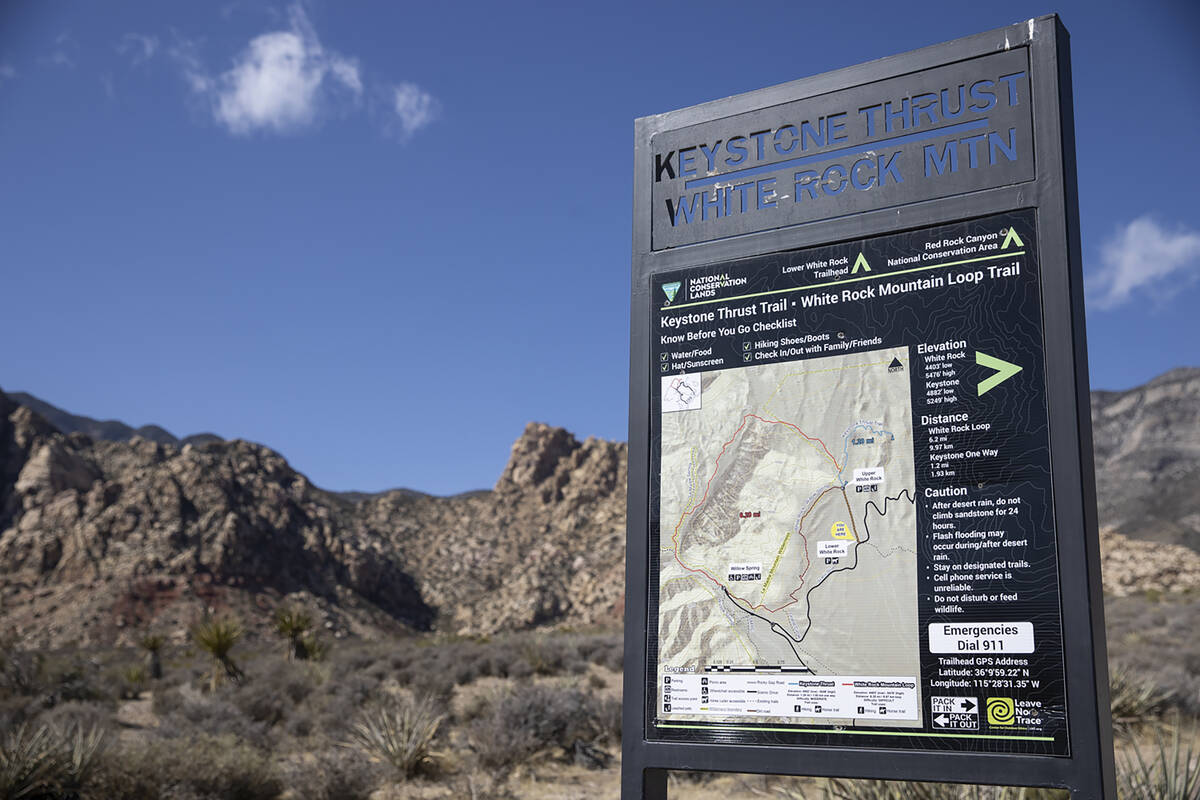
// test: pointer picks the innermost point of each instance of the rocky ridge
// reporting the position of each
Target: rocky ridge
(109, 430)
(101, 539)
(1147, 444)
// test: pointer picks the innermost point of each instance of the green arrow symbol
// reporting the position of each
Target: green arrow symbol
(1004, 371)
(1012, 238)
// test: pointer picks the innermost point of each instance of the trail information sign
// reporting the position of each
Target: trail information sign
(861, 506)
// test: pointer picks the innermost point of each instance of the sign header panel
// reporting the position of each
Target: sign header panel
(937, 133)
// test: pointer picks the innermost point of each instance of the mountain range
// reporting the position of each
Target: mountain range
(107, 531)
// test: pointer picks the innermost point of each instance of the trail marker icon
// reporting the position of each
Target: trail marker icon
(1012, 238)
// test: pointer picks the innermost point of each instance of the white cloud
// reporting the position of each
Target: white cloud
(60, 57)
(1144, 257)
(286, 80)
(415, 108)
(183, 52)
(281, 82)
(7, 72)
(140, 47)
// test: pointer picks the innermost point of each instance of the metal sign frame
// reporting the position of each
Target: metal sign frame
(1088, 771)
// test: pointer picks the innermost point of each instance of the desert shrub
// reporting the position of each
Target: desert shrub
(604, 650)
(438, 686)
(401, 733)
(356, 660)
(49, 678)
(340, 773)
(199, 768)
(74, 680)
(215, 716)
(20, 670)
(1159, 641)
(430, 665)
(1168, 770)
(341, 701)
(551, 655)
(531, 720)
(519, 671)
(272, 696)
(301, 725)
(262, 702)
(169, 699)
(77, 714)
(53, 679)
(18, 709)
(1133, 698)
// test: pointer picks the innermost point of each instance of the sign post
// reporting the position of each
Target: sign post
(861, 527)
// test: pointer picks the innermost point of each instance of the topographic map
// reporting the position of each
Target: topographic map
(787, 521)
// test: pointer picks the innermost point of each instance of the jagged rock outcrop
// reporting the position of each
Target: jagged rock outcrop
(99, 539)
(1130, 566)
(546, 545)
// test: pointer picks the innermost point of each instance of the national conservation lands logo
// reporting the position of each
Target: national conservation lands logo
(671, 289)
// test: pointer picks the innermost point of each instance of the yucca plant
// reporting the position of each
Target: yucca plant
(315, 648)
(217, 636)
(1132, 698)
(153, 643)
(911, 790)
(906, 790)
(135, 677)
(80, 748)
(30, 762)
(1169, 770)
(401, 733)
(294, 624)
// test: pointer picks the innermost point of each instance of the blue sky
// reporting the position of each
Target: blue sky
(381, 237)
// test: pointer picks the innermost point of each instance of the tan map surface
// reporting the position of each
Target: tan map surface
(759, 488)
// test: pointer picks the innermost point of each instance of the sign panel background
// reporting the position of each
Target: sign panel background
(1038, 187)
(998, 315)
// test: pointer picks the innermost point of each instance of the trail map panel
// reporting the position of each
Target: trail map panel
(852, 537)
(818, 579)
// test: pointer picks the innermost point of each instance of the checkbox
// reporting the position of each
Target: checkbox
(745, 345)
(664, 367)
(746, 357)
(663, 357)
